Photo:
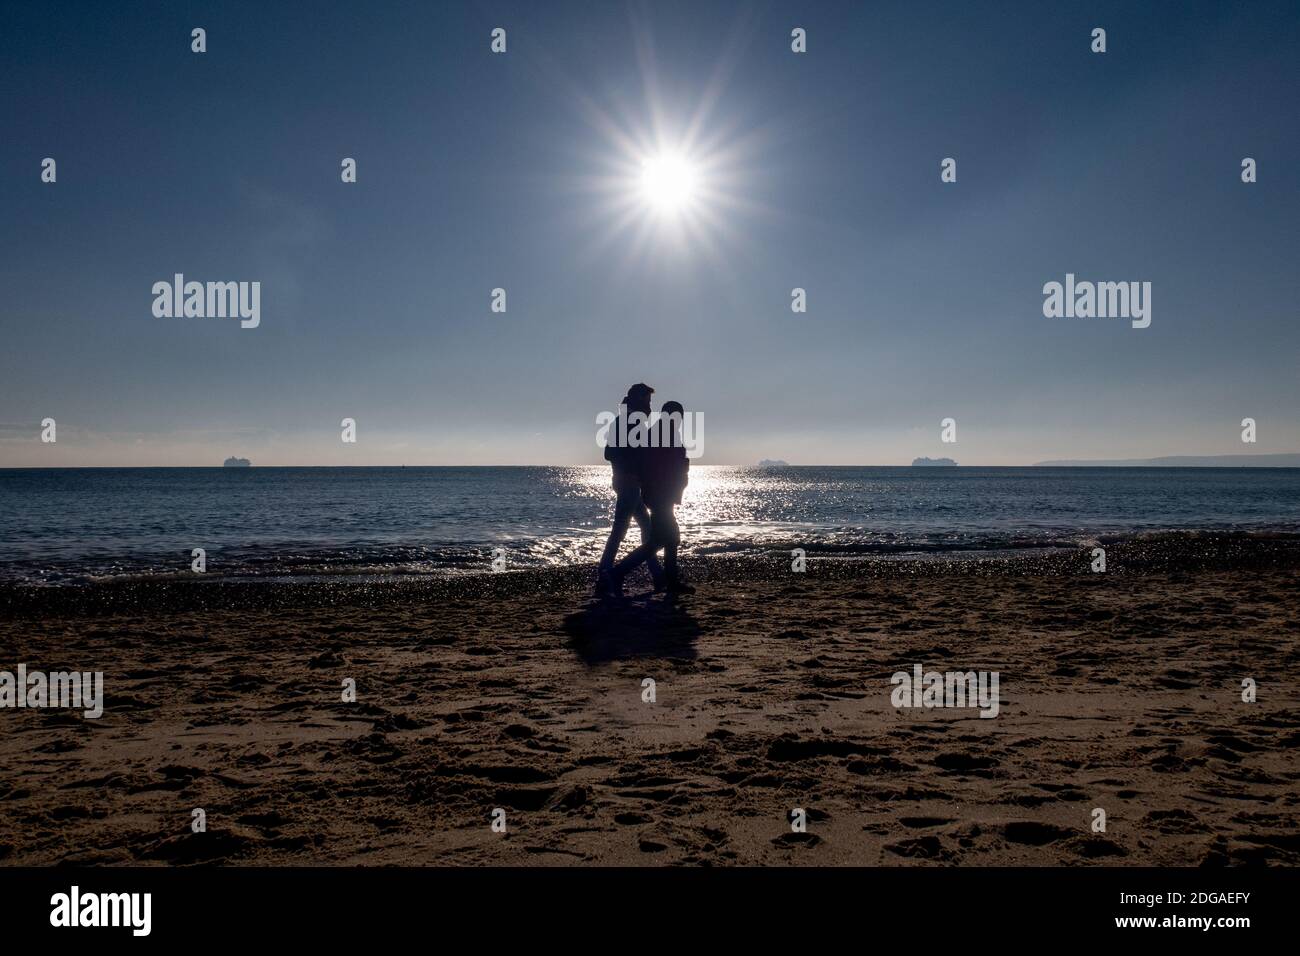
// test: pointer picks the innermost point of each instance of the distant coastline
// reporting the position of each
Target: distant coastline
(1180, 461)
(933, 463)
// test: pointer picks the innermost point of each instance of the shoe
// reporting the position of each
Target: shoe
(604, 584)
(678, 587)
(614, 584)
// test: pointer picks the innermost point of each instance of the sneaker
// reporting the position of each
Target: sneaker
(678, 587)
(604, 584)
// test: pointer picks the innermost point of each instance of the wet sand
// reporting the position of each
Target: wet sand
(1119, 691)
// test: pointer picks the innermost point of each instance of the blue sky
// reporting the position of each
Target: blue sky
(478, 171)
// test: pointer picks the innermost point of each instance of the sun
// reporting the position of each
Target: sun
(670, 177)
(669, 183)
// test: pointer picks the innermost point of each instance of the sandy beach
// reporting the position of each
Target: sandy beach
(1119, 691)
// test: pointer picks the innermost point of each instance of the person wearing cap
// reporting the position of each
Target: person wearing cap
(622, 456)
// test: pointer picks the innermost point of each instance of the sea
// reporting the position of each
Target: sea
(79, 526)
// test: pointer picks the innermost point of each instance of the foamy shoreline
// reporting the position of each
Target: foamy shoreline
(1176, 553)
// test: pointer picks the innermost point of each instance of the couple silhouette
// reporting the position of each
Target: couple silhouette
(651, 470)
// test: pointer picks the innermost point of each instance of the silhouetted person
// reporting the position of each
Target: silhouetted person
(627, 485)
(664, 469)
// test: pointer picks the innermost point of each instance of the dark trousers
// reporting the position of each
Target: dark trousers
(628, 507)
(664, 533)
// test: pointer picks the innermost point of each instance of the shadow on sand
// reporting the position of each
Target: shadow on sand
(609, 630)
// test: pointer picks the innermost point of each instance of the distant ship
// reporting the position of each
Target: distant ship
(931, 462)
(233, 462)
(773, 463)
